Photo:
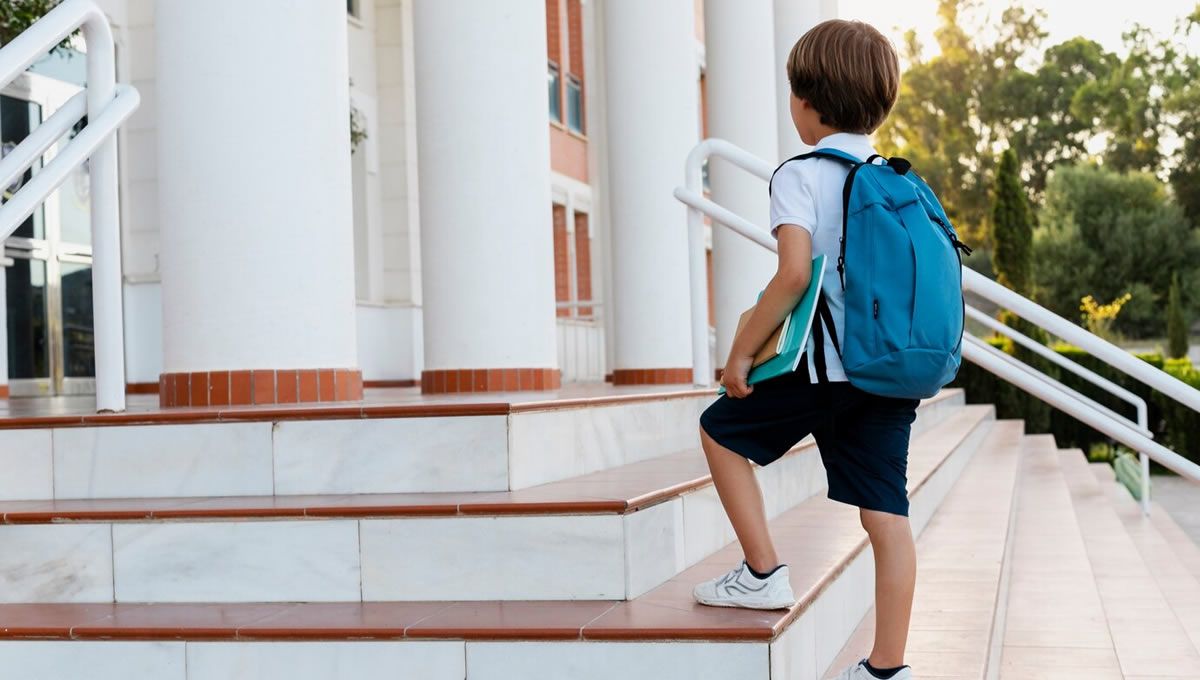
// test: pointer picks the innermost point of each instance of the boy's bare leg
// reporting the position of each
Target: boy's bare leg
(743, 502)
(895, 580)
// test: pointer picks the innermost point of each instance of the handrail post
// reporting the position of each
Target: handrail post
(108, 316)
(702, 373)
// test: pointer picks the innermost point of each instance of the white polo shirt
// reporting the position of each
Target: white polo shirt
(808, 194)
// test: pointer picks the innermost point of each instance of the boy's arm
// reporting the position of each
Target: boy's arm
(778, 300)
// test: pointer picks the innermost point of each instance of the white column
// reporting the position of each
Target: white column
(254, 185)
(652, 84)
(793, 18)
(741, 80)
(487, 249)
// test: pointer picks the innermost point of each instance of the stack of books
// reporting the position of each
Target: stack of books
(782, 352)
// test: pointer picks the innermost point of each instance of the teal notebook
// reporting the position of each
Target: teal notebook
(797, 328)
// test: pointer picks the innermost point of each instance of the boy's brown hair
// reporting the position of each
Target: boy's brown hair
(848, 72)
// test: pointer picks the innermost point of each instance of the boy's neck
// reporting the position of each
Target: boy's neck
(828, 132)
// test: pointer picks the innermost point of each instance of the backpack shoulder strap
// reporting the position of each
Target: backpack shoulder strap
(830, 154)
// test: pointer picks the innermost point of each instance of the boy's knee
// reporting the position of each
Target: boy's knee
(878, 523)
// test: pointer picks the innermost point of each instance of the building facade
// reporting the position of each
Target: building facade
(462, 195)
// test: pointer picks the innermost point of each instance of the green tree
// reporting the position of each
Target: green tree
(1012, 228)
(18, 15)
(1177, 332)
(1104, 233)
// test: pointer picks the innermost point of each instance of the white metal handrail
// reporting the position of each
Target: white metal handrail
(1050, 355)
(1008, 368)
(107, 106)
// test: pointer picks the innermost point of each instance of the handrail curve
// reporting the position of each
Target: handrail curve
(107, 106)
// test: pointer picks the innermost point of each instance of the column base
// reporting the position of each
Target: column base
(459, 380)
(263, 386)
(652, 376)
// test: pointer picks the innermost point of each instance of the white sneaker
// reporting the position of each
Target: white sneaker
(859, 672)
(740, 588)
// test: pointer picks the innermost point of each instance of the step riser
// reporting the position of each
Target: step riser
(459, 557)
(236, 661)
(572, 556)
(384, 660)
(374, 455)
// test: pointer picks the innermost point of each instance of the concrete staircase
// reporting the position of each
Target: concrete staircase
(555, 539)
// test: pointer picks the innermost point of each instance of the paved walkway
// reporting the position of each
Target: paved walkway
(1181, 498)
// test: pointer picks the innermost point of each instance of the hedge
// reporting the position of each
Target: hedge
(1174, 425)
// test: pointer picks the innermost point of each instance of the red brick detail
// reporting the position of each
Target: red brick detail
(269, 386)
(562, 260)
(652, 376)
(142, 388)
(575, 39)
(583, 262)
(554, 31)
(379, 384)
(458, 380)
(568, 153)
(3, 391)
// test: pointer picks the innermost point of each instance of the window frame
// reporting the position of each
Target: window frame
(573, 85)
(554, 93)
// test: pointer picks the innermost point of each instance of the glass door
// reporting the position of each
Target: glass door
(49, 283)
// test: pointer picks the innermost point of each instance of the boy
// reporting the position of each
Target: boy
(844, 80)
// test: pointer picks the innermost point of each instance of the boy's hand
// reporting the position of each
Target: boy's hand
(737, 370)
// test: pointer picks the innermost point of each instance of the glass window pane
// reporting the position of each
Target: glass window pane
(79, 350)
(555, 85)
(574, 105)
(28, 332)
(17, 118)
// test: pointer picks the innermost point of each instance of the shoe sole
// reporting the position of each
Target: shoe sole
(746, 604)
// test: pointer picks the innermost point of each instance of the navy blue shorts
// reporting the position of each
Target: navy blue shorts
(862, 437)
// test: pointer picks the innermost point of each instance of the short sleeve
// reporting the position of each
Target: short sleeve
(792, 198)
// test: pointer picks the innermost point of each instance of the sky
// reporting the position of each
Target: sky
(1096, 19)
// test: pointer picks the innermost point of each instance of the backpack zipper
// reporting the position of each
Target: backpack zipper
(876, 309)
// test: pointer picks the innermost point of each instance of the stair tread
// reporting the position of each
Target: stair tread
(817, 538)
(377, 403)
(1134, 603)
(959, 558)
(618, 490)
(1055, 620)
(1178, 584)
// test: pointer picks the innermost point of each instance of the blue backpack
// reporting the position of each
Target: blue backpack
(901, 269)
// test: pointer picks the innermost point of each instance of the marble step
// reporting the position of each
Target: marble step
(421, 447)
(610, 535)
(960, 581)
(1148, 637)
(661, 634)
(429, 445)
(1054, 624)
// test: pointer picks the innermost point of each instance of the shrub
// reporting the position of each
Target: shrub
(1177, 340)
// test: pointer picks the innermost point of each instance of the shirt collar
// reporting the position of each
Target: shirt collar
(850, 142)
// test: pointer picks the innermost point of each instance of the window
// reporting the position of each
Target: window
(554, 80)
(562, 261)
(353, 8)
(574, 104)
(583, 264)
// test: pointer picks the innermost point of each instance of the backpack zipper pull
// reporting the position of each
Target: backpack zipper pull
(876, 309)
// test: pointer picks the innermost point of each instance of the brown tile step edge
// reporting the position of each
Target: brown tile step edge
(618, 490)
(489, 405)
(818, 538)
